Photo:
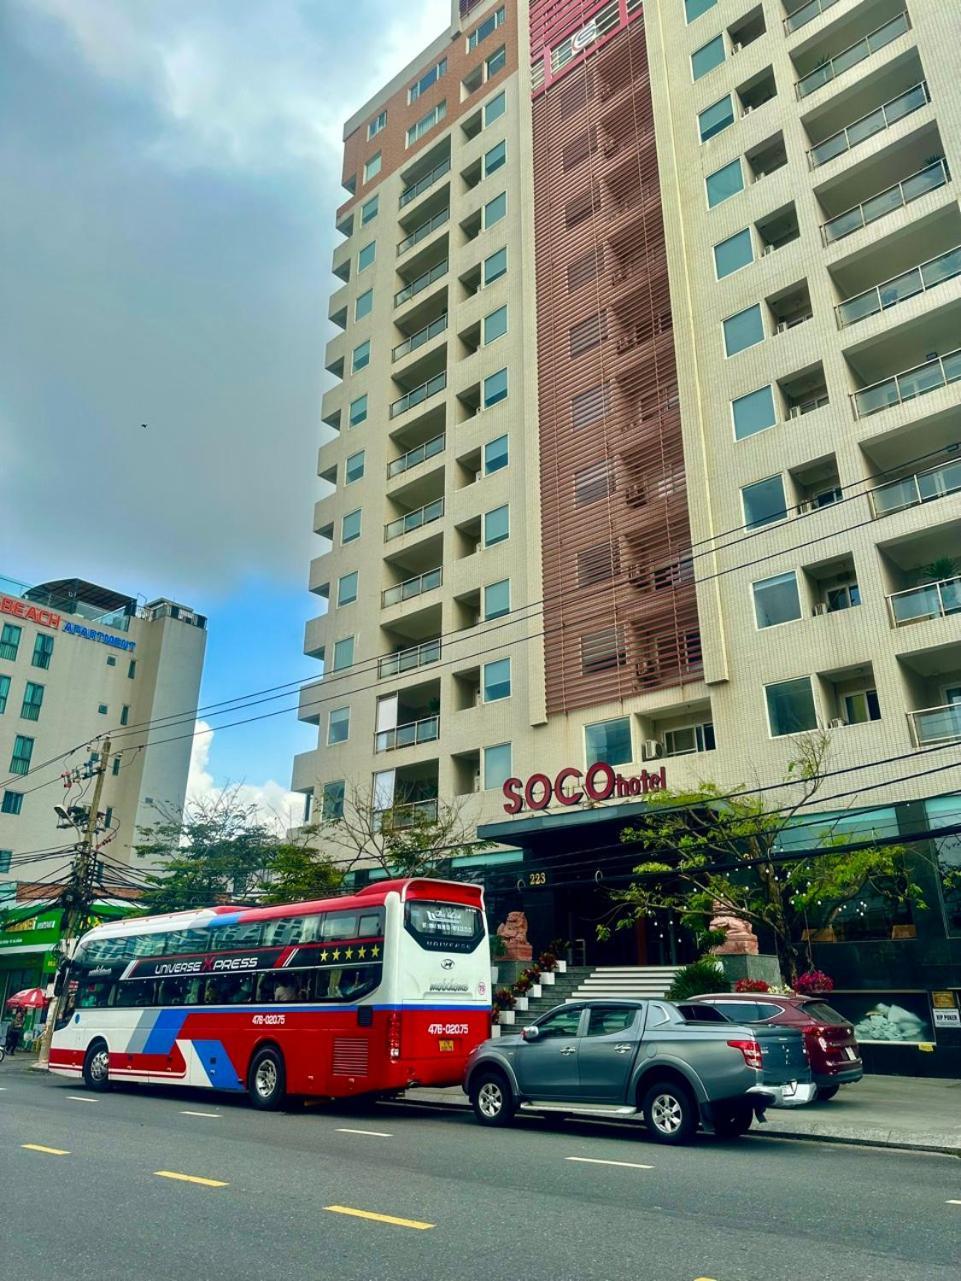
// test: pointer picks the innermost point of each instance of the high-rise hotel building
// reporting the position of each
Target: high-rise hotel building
(645, 444)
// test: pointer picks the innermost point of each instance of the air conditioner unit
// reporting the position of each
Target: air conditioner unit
(782, 325)
(821, 607)
(794, 411)
(768, 249)
(736, 48)
(837, 723)
(809, 505)
(651, 749)
(747, 111)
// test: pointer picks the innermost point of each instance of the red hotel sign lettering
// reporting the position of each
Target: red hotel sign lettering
(30, 613)
(600, 784)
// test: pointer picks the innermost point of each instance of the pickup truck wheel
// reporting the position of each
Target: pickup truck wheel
(670, 1112)
(491, 1099)
(733, 1120)
(826, 1092)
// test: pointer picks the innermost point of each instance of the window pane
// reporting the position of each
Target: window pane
(776, 600)
(495, 210)
(358, 410)
(746, 329)
(496, 106)
(372, 167)
(764, 502)
(333, 803)
(497, 680)
(497, 765)
(495, 325)
(497, 599)
(375, 126)
(495, 158)
(790, 707)
(716, 118)
(343, 653)
(694, 8)
(351, 527)
(495, 455)
(42, 651)
(338, 726)
(10, 641)
(495, 266)
(496, 525)
(724, 183)
(361, 357)
(753, 412)
(347, 588)
(707, 57)
(22, 752)
(368, 210)
(366, 256)
(364, 303)
(354, 467)
(733, 254)
(609, 741)
(4, 693)
(495, 388)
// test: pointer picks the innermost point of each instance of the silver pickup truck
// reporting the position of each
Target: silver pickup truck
(640, 1059)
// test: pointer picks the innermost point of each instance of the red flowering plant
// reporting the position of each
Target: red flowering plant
(752, 985)
(504, 999)
(813, 981)
(533, 973)
(522, 984)
(547, 962)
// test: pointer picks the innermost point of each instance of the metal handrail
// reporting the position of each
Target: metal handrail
(421, 282)
(425, 228)
(426, 730)
(807, 13)
(920, 487)
(414, 520)
(898, 289)
(937, 600)
(908, 190)
(420, 337)
(429, 449)
(412, 587)
(908, 385)
(946, 722)
(879, 119)
(418, 394)
(844, 60)
(414, 190)
(410, 659)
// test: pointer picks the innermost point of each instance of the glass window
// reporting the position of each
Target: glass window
(607, 1020)
(426, 123)
(22, 752)
(708, 57)
(694, 8)
(790, 707)
(495, 266)
(753, 413)
(10, 641)
(42, 651)
(354, 467)
(132, 669)
(495, 455)
(115, 767)
(102, 709)
(495, 158)
(350, 527)
(497, 599)
(495, 210)
(12, 803)
(361, 356)
(375, 126)
(724, 183)
(496, 107)
(358, 410)
(5, 857)
(495, 63)
(347, 588)
(734, 253)
(363, 305)
(366, 256)
(343, 653)
(372, 167)
(562, 1022)
(4, 693)
(497, 680)
(862, 706)
(495, 388)
(497, 765)
(111, 661)
(776, 600)
(746, 329)
(495, 325)
(426, 80)
(332, 806)
(716, 118)
(32, 701)
(368, 210)
(486, 28)
(496, 526)
(609, 741)
(338, 726)
(689, 738)
(945, 812)
(124, 714)
(763, 502)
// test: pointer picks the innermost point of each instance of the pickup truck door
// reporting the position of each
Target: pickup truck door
(547, 1068)
(608, 1049)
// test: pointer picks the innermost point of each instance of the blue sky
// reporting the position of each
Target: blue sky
(170, 173)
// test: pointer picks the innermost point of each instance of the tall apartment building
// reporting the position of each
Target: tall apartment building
(643, 453)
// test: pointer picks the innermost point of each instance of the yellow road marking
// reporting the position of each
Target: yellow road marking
(379, 1218)
(38, 1147)
(630, 1165)
(703, 1279)
(191, 1178)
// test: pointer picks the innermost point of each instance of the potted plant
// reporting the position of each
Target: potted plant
(504, 1003)
(547, 962)
(813, 982)
(520, 989)
(533, 974)
(558, 949)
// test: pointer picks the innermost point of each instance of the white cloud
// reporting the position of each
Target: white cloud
(275, 805)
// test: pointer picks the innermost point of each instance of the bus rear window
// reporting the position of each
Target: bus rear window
(450, 927)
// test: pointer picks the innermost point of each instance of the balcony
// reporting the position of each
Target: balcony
(900, 288)
(408, 735)
(919, 381)
(807, 13)
(933, 726)
(429, 449)
(422, 231)
(918, 604)
(412, 587)
(421, 282)
(419, 338)
(921, 487)
(406, 814)
(423, 184)
(418, 395)
(414, 520)
(897, 197)
(410, 659)
(852, 55)
(883, 117)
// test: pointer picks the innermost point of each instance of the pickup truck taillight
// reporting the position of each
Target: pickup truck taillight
(751, 1051)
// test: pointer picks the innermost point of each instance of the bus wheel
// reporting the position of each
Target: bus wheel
(96, 1067)
(267, 1080)
(491, 1099)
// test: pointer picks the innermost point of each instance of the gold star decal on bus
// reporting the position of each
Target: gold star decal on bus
(336, 954)
(349, 952)
(361, 953)
(375, 950)
(324, 955)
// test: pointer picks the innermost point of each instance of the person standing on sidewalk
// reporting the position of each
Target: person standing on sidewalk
(14, 1032)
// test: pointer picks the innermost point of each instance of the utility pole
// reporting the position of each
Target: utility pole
(78, 895)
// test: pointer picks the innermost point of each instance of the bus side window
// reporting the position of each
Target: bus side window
(371, 925)
(339, 925)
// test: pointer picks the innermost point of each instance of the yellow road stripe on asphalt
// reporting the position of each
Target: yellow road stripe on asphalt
(379, 1218)
(630, 1165)
(38, 1147)
(191, 1178)
(703, 1279)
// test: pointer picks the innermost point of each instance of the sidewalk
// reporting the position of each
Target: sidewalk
(880, 1111)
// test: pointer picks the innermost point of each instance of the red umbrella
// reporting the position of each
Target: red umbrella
(31, 998)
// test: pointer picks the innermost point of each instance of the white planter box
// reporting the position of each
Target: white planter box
(495, 1030)
(522, 1003)
(506, 1017)
(561, 967)
(494, 973)
(547, 979)
(536, 991)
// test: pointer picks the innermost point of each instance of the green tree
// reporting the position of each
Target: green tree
(298, 872)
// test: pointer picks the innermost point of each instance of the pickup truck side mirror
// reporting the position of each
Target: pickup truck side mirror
(531, 1033)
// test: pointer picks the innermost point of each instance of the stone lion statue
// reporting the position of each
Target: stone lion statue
(514, 933)
(741, 939)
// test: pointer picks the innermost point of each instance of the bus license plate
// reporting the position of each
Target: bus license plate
(446, 1046)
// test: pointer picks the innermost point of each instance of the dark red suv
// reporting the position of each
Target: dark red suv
(831, 1044)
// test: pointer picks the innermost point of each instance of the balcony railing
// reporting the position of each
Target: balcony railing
(414, 397)
(918, 604)
(415, 189)
(922, 487)
(424, 230)
(807, 13)
(409, 735)
(409, 660)
(853, 54)
(429, 449)
(876, 121)
(420, 337)
(900, 288)
(412, 587)
(399, 817)
(414, 520)
(933, 725)
(902, 193)
(422, 282)
(908, 386)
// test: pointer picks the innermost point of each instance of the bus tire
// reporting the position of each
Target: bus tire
(96, 1066)
(267, 1080)
(492, 1099)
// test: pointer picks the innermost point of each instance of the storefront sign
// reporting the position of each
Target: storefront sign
(29, 613)
(600, 783)
(945, 1009)
(20, 931)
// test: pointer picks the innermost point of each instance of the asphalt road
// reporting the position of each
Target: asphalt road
(93, 1188)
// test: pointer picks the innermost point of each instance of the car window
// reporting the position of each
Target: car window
(739, 1011)
(560, 1023)
(657, 1014)
(702, 1014)
(823, 1012)
(765, 1011)
(605, 1019)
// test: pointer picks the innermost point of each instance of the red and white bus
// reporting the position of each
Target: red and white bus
(370, 993)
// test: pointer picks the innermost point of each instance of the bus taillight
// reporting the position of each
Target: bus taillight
(393, 1034)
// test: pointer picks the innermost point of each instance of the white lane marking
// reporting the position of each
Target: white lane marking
(80, 1098)
(952, 1202)
(377, 1134)
(593, 1160)
(217, 1114)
